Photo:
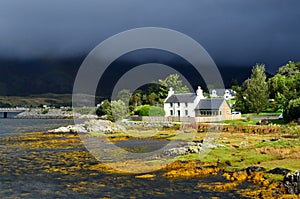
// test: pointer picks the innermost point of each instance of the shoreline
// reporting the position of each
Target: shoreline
(177, 169)
(225, 161)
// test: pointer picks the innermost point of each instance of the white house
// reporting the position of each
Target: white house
(183, 104)
(225, 93)
(194, 105)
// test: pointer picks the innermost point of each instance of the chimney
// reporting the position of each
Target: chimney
(199, 92)
(170, 92)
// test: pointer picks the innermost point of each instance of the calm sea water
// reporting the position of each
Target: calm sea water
(34, 182)
(15, 127)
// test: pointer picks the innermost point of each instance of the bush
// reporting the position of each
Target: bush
(45, 111)
(105, 110)
(292, 111)
(147, 110)
(248, 118)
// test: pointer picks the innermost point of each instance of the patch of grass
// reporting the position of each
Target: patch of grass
(292, 164)
(188, 157)
(183, 136)
(232, 158)
(45, 111)
(102, 134)
(274, 177)
(263, 114)
(242, 122)
(277, 121)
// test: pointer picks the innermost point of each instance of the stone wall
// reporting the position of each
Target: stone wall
(186, 119)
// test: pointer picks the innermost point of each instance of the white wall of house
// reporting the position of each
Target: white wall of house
(182, 109)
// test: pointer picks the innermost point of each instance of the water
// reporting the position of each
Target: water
(14, 127)
(23, 172)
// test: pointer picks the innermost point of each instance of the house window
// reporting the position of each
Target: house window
(171, 104)
(186, 112)
(178, 104)
(178, 112)
(186, 104)
(171, 112)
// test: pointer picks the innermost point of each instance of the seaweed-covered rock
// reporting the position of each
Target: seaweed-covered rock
(292, 182)
(252, 169)
(278, 170)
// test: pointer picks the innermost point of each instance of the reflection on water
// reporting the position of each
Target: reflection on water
(40, 166)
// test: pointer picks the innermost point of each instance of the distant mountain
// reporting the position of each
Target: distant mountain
(27, 77)
(37, 76)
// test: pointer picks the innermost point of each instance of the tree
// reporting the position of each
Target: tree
(292, 111)
(124, 95)
(105, 110)
(152, 98)
(119, 110)
(175, 82)
(257, 92)
(241, 102)
(285, 85)
(136, 98)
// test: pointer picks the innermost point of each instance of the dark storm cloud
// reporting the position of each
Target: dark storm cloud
(234, 32)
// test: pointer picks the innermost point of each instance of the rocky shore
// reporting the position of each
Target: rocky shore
(191, 148)
(92, 125)
(51, 114)
(288, 184)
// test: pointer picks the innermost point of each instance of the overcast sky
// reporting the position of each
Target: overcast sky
(234, 32)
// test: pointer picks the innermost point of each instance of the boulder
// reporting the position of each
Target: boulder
(278, 170)
(263, 122)
(90, 126)
(291, 182)
(175, 151)
(252, 169)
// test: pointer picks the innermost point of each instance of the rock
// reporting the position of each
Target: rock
(74, 129)
(186, 131)
(281, 171)
(227, 162)
(193, 149)
(252, 169)
(263, 122)
(291, 182)
(189, 148)
(90, 126)
(209, 146)
(175, 151)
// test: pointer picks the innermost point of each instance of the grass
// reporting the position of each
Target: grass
(251, 121)
(242, 121)
(242, 150)
(263, 114)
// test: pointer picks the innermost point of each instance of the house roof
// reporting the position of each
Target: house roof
(210, 104)
(182, 98)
